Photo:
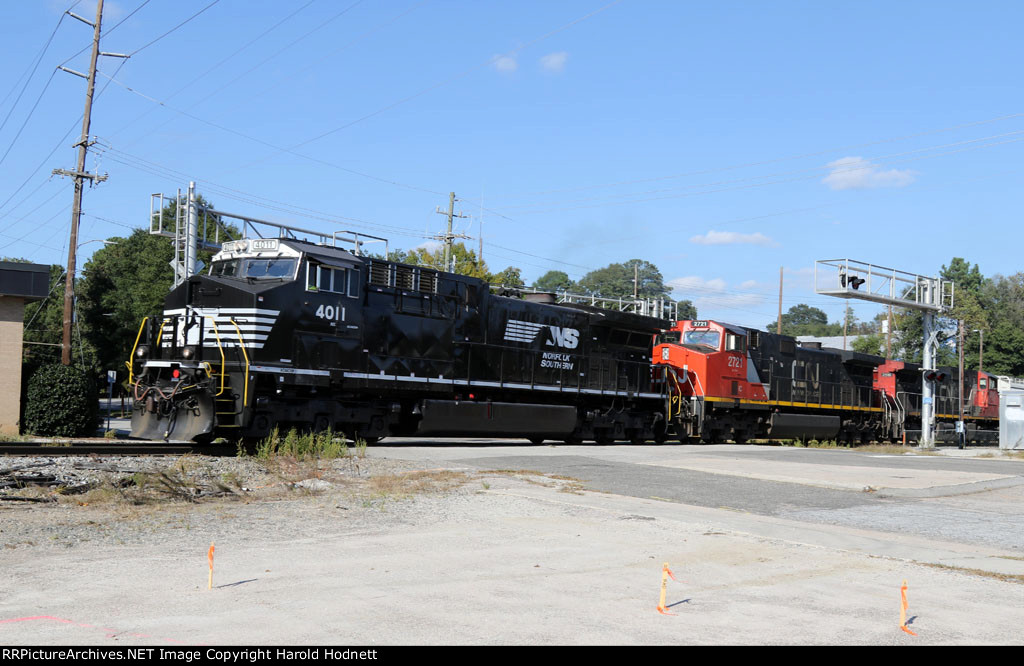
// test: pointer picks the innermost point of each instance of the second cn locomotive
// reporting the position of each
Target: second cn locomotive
(735, 383)
(288, 333)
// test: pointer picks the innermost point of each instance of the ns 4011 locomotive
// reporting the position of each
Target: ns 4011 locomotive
(287, 333)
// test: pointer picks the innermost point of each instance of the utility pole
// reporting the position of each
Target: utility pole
(778, 327)
(888, 336)
(636, 281)
(846, 321)
(448, 237)
(960, 351)
(80, 176)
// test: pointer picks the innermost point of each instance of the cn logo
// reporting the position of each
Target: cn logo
(567, 338)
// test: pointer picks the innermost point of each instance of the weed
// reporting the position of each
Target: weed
(110, 434)
(1006, 578)
(398, 486)
(325, 445)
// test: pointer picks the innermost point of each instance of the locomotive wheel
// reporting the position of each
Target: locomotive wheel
(604, 440)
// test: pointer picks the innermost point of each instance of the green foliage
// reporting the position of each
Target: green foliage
(126, 280)
(803, 319)
(555, 281)
(510, 277)
(466, 261)
(873, 344)
(616, 281)
(326, 445)
(61, 401)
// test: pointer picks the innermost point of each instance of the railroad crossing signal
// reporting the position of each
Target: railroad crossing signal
(847, 278)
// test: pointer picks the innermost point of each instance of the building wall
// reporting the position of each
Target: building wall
(12, 317)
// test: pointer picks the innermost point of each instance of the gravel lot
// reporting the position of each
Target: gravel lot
(385, 551)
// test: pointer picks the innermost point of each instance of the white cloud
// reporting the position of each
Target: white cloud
(505, 63)
(430, 246)
(714, 299)
(554, 62)
(857, 173)
(733, 238)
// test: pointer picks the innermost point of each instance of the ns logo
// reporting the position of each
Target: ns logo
(566, 338)
(526, 331)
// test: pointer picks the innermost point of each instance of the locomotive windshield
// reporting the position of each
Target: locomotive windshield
(254, 268)
(707, 339)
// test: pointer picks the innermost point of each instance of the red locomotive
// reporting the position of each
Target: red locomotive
(730, 382)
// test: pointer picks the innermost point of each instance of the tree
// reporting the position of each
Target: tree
(1002, 300)
(802, 319)
(873, 344)
(510, 277)
(432, 256)
(128, 279)
(555, 281)
(617, 281)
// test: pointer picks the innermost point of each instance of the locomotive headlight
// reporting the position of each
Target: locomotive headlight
(188, 352)
(142, 351)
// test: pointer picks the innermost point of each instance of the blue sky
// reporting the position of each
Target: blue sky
(718, 140)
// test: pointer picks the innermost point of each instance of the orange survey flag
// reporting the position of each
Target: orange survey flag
(903, 609)
(209, 556)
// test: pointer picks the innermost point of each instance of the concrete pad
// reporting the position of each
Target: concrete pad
(513, 564)
(844, 477)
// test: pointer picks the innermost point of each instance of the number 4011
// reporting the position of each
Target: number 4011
(329, 312)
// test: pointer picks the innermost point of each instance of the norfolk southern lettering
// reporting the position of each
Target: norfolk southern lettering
(285, 333)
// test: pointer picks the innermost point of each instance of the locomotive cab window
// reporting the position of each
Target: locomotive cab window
(735, 343)
(706, 339)
(333, 280)
(279, 268)
(668, 337)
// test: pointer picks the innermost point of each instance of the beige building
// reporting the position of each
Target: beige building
(19, 284)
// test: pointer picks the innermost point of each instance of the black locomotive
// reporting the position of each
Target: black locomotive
(288, 333)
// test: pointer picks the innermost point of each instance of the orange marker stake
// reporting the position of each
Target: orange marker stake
(665, 573)
(903, 609)
(209, 556)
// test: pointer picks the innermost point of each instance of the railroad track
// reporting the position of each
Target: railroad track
(106, 447)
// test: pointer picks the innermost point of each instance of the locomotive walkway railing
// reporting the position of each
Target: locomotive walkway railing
(824, 394)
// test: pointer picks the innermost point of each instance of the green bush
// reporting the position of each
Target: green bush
(61, 401)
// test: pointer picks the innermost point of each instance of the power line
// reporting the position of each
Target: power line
(817, 153)
(224, 60)
(27, 117)
(173, 175)
(775, 182)
(189, 19)
(59, 144)
(265, 143)
(38, 60)
(443, 83)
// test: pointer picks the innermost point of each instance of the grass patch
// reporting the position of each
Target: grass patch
(325, 445)
(1006, 578)
(565, 484)
(399, 486)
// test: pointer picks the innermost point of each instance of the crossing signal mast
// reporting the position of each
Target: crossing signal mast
(846, 278)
